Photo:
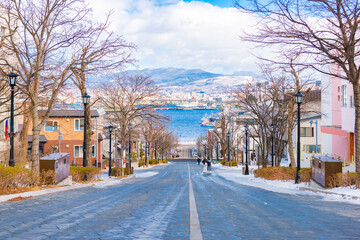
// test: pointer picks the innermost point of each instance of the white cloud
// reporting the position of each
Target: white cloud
(171, 33)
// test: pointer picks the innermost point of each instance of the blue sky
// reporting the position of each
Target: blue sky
(219, 3)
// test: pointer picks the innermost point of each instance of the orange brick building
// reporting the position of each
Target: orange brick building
(64, 132)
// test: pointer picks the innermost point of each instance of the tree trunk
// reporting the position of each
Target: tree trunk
(357, 125)
(23, 156)
(35, 155)
(290, 129)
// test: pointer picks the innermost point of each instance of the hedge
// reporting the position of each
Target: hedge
(229, 163)
(117, 172)
(13, 179)
(78, 173)
(283, 173)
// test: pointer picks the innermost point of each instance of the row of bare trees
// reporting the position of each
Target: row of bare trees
(128, 101)
(325, 33)
(50, 43)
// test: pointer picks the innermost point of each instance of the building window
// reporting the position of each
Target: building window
(312, 148)
(2, 130)
(2, 31)
(78, 151)
(344, 96)
(93, 151)
(79, 124)
(307, 132)
(352, 102)
(56, 164)
(51, 126)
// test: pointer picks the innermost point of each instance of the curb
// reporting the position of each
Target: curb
(5, 198)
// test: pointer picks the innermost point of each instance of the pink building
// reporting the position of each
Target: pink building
(338, 117)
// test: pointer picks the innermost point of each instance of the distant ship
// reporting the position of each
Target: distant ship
(208, 121)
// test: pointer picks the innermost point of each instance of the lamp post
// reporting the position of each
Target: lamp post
(246, 150)
(217, 150)
(146, 148)
(272, 145)
(12, 82)
(228, 146)
(155, 149)
(298, 100)
(130, 147)
(316, 136)
(110, 130)
(86, 100)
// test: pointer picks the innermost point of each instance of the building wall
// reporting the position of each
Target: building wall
(70, 138)
(338, 117)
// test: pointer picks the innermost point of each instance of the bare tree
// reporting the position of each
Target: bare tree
(266, 110)
(100, 52)
(128, 99)
(40, 33)
(222, 128)
(326, 31)
(166, 142)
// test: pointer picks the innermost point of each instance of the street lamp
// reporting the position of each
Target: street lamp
(228, 145)
(272, 144)
(110, 130)
(298, 100)
(146, 148)
(316, 136)
(12, 82)
(217, 151)
(130, 147)
(246, 150)
(86, 100)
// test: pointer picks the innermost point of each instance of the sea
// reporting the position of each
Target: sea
(186, 124)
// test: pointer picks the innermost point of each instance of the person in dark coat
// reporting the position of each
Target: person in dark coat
(208, 161)
(198, 160)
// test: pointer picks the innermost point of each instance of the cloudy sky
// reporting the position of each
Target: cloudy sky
(183, 34)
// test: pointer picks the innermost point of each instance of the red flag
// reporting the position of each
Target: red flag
(6, 129)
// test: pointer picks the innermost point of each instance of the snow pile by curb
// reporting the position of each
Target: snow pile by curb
(345, 194)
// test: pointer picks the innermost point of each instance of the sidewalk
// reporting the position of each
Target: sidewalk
(5, 198)
(104, 181)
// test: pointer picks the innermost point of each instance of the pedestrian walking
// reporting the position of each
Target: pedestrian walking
(198, 160)
(208, 163)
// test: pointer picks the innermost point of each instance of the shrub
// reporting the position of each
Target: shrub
(153, 162)
(78, 173)
(230, 164)
(47, 177)
(117, 172)
(305, 174)
(164, 161)
(344, 180)
(276, 173)
(13, 177)
(141, 163)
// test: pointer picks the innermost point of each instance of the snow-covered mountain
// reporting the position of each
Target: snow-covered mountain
(192, 79)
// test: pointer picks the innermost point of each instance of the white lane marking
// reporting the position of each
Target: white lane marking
(195, 228)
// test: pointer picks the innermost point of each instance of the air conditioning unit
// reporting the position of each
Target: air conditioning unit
(67, 145)
(67, 119)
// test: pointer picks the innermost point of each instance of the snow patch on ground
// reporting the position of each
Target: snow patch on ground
(146, 174)
(344, 194)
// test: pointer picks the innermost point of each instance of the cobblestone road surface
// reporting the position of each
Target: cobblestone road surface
(157, 207)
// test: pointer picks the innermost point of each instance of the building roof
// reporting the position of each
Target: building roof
(42, 138)
(68, 113)
(54, 156)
